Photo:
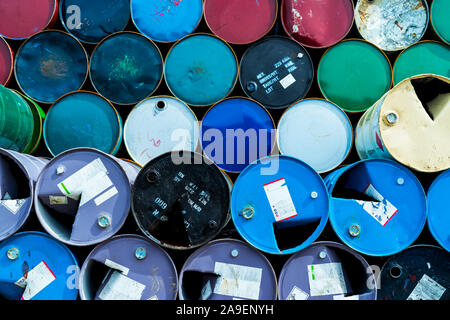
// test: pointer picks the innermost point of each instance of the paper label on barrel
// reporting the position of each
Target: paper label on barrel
(116, 266)
(287, 81)
(326, 279)
(342, 297)
(297, 294)
(57, 200)
(238, 281)
(382, 211)
(106, 196)
(120, 287)
(13, 205)
(87, 182)
(36, 280)
(427, 289)
(280, 200)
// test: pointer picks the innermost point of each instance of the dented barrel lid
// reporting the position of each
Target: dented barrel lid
(438, 214)
(128, 267)
(276, 72)
(279, 205)
(421, 272)
(82, 197)
(159, 125)
(18, 174)
(378, 207)
(392, 25)
(227, 269)
(34, 266)
(181, 200)
(327, 271)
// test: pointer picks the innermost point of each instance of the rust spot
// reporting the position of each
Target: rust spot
(412, 277)
(53, 68)
(396, 23)
(419, 5)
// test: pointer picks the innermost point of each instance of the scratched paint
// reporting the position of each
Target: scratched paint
(166, 20)
(240, 21)
(49, 65)
(24, 18)
(317, 23)
(6, 61)
(126, 68)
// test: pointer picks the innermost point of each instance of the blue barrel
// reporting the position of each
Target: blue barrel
(128, 267)
(34, 266)
(279, 205)
(378, 207)
(227, 269)
(236, 132)
(166, 20)
(126, 67)
(201, 69)
(327, 271)
(50, 65)
(82, 197)
(83, 119)
(18, 174)
(90, 21)
(438, 216)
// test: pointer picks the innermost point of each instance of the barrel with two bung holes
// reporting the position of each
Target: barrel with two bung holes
(227, 269)
(128, 267)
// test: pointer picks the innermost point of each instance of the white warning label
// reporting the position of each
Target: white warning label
(297, 294)
(13, 205)
(427, 289)
(238, 281)
(36, 280)
(280, 200)
(326, 279)
(382, 211)
(287, 81)
(120, 287)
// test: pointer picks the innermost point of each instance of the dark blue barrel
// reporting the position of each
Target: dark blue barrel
(126, 67)
(166, 20)
(50, 65)
(438, 214)
(90, 21)
(237, 132)
(34, 266)
(201, 69)
(83, 119)
(378, 207)
(279, 205)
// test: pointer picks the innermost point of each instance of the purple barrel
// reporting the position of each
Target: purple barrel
(128, 267)
(82, 197)
(18, 174)
(327, 271)
(227, 269)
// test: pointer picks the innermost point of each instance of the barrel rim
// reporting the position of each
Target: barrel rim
(230, 98)
(101, 42)
(318, 47)
(332, 103)
(355, 40)
(242, 43)
(208, 35)
(433, 25)
(118, 141)
(37, 34)
(11, 54)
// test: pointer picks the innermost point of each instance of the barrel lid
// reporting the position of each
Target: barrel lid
(22, 19)
(438, 217)
(439, 19)
(241, 125)
(414, 123)
(276, 71)
(166, 20)
(315, 131)
(49, 65)
(326, 271)
(126, 67)
(392, 25)
(82, 197)
(227, 269)
(279, 205)
(37, 267)
(317, 24)
(378, 207)
(180, 200)
(128, 267)
(421, 272)
(97, 19)
(6, 61)
(159, 125)
(82, 119)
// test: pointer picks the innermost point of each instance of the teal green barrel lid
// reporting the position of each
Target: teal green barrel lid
(440, 12)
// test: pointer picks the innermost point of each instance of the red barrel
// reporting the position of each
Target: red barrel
(6, 61)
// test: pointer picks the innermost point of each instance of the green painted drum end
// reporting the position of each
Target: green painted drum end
(440, 21)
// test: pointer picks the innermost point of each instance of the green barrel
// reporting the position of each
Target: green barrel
(440, 21)
(425, 57)
(16, 122)
(354, 74)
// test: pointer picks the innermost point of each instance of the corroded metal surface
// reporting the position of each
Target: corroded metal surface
(392, 25)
